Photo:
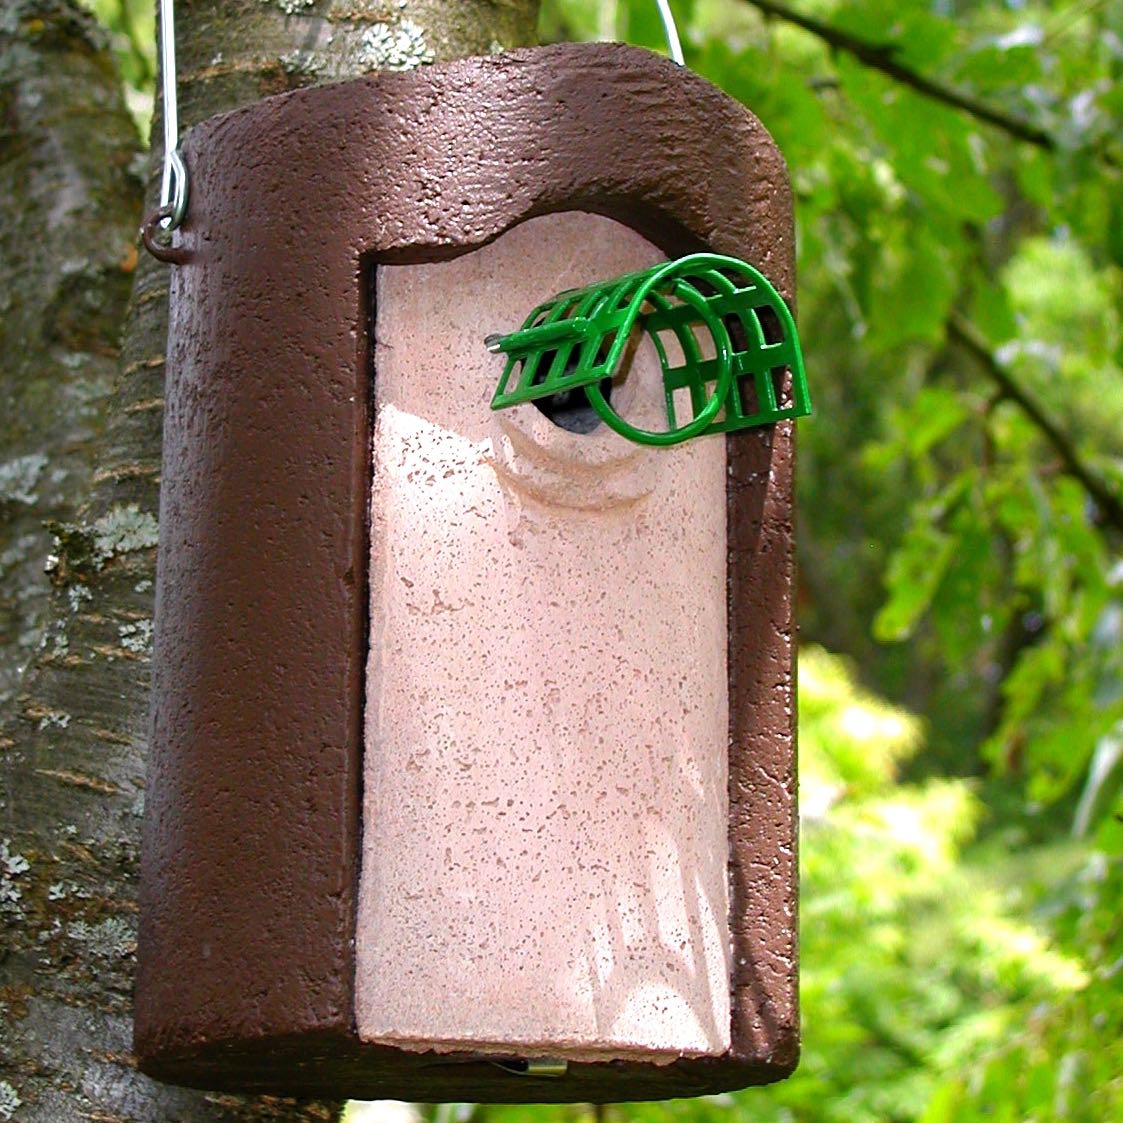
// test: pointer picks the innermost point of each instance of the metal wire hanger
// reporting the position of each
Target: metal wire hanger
(173, 180)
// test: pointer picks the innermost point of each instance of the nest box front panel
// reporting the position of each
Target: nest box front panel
(545, 842)
(482, 748)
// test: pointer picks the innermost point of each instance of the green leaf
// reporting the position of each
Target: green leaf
(915, 573)
(935, 414)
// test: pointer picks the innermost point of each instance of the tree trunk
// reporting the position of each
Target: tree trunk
(82, 452)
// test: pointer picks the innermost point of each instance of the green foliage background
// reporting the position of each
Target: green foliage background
(961, 600)
(961, 522)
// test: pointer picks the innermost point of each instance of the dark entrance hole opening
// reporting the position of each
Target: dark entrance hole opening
(571, 409)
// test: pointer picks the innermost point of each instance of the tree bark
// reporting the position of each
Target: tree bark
(82, 452)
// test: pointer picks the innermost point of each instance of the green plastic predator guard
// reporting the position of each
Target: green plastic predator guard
(577, 340)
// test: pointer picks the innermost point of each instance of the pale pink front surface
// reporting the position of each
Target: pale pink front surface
(545, 811)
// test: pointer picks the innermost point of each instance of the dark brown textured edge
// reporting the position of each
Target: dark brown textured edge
(250, 858)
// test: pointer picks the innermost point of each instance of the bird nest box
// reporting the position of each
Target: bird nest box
(472, 751)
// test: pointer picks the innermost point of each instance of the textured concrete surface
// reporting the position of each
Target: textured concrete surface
(544, 826)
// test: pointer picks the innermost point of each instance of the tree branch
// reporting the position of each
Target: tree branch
(967, 336)
(882, 57)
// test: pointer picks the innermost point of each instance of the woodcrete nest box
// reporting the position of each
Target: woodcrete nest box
(472, 759)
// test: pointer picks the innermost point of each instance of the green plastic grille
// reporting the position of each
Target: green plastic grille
(750, 373)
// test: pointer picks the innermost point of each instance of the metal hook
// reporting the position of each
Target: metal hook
(157, 238)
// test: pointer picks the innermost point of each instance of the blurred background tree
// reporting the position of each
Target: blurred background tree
(958, 172)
